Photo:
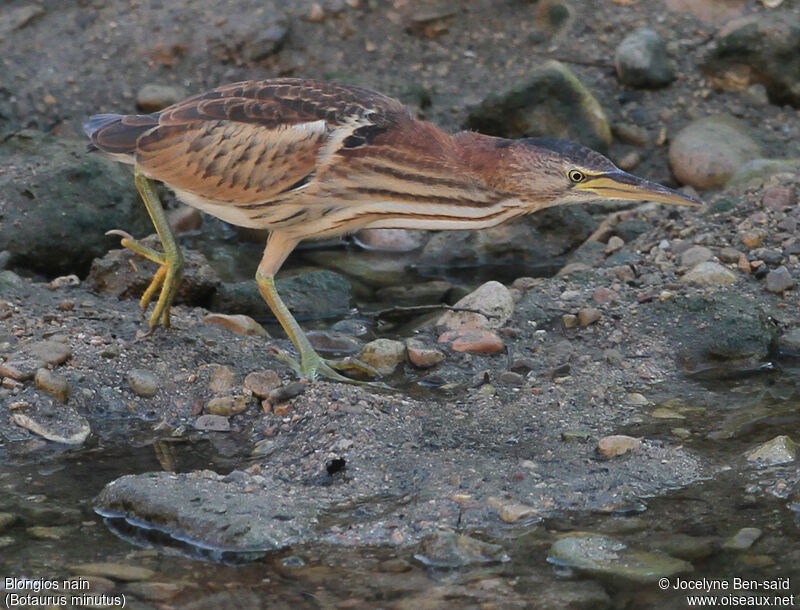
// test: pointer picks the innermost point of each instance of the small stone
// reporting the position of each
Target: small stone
(7, 520)
(389, 240)
(422, 356)
(287, 392)
(64, 426)
(447, 549)
(49, 532)
(383, 354)
(709, 274)
(237, 323)
(143, 382)
(641, 60)
(153, 97)
(511, 512)
(213, 423)
(753, 238)
(696, 255)
(222, 379)
(334, 342)
(637, 399)
(778, 197)
(115, 571)
(64, 281)
(617, 444)
(21, 370)
(53, 384)
(570, 436)
(779, 450)
(492, 298)
(779, 280)
(512, 378)
(603, 295)
(261, 383)
(629, 161)
(226, 405)
(665, 413)
(569, 320)
(729, 255)
(52, 352)
(614, 244)
(743, 539)
(588, 315)
(472, 341)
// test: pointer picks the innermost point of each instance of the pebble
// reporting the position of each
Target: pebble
(421, 355)
(665, 413)
(49, 532)
(617, 444)
(637, 399)
(754, 238)
(512, 378)
(64, 281)
(153, 97)
(609, 557)
(602, 295)
(780, 450)
(708, 151)
(261, 383)
(641, 60)
(226, 405)
(52, 352)
(287, 392)
(569, 320)
(729, 255)
(222, 379)
(614, 243)
(211, 422)
(493, 298)
(588, 315)
(389, 240)
(155, 591)
(472, 341)
(143, 382)
(67, 426)
(631, 133)
(237, 323)
(7, 520)
(115, 571)
(709, 273)
(383, 354)
(447, 549)
(53, 383)
(778, 197)
(21, 370)
(743, 539)
(334, 342)
(511, 512)
(779, 280)
(696, 255)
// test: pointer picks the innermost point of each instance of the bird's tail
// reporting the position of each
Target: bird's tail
(117, 134)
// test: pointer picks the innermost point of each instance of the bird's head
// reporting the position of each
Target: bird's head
(547, 172)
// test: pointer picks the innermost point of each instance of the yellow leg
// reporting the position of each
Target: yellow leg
(311, 363)
(168, 276)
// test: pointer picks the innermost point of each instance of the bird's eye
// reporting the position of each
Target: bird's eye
(576, 175)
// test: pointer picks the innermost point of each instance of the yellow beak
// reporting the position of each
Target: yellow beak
(622, 185)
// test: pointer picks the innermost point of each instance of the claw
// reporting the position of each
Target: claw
(120, 233)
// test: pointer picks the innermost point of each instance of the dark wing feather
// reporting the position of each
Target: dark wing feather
(249, 141)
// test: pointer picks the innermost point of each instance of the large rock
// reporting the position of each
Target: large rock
(552, 103)
(763, 49)
(708, 151)
(57, 201)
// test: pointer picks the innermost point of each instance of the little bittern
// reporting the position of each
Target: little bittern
(309, 159)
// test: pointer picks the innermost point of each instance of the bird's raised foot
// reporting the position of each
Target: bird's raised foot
(312, 366)
(167, 278)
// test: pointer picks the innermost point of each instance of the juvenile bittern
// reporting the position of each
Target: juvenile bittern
(309, 159)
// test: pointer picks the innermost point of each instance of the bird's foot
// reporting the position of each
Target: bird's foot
(312, 365)
(167, 278)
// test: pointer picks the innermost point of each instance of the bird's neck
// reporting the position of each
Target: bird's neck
(485, 157)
